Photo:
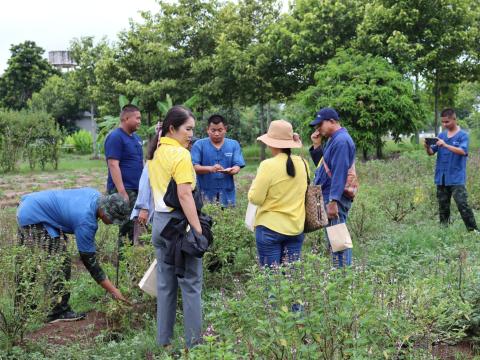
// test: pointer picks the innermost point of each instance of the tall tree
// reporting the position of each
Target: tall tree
(372, 97)
(59, 98)
(26, 73)
(437, 40)
(154, 58)
(242, 67)
(86, 55)
(308, 36)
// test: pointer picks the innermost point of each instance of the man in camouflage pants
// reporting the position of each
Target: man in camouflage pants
(450, 170)
(43, 220)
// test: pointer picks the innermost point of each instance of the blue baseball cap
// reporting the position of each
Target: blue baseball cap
(324, 114)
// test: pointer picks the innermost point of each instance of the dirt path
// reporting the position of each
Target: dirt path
(64, 333)
(12, 187)
(462, 350)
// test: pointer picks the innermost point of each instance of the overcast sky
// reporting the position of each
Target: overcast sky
(53, 23)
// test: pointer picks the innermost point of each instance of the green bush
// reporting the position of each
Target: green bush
(33, 135)
(25, 294)
(81, 141)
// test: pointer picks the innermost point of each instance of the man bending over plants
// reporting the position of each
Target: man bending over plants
(43, 220)
(451, 148)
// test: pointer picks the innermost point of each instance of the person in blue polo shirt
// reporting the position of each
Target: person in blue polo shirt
(124, 154)
(338, 157)
(216, 160)
(43, 220)
(450, 170)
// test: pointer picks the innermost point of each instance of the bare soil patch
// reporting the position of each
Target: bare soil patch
(451, 352)
(63, 333)
(12, 187)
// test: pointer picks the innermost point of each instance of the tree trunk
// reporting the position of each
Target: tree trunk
(94, 132)
(149, 122)
(379, 148)
(269, 115)
(365, 154)
(417, 101)
(262, 131)
(436, 95)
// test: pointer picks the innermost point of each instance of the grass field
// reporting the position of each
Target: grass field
(411, 294)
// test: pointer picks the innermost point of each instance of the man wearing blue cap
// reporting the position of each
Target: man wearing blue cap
(333, 170)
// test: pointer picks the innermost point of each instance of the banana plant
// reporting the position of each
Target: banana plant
(164, 106)
(109, 121)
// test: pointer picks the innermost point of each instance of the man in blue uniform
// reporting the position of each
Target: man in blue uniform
(124, 154)
(216, 160)
(338, 158)
(45, 217)
(450, 170)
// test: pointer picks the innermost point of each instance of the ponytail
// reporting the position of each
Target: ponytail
(152, 146)
(290, 166)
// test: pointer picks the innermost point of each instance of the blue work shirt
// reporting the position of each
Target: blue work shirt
(127, 149)
(339, 155)
(145, 198)
(450, 165)
(219, 185)
(72, 211)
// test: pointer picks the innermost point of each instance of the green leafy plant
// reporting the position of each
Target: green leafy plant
(81, 140)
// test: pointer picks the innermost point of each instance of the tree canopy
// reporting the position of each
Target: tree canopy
(372, 97)
(26, 73)
(229, 55)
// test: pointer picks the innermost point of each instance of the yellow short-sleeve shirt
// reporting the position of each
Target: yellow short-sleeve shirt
(171, 160)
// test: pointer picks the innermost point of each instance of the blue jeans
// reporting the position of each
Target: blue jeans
(340, 258)
(272, 246)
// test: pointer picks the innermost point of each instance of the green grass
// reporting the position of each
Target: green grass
(67, 162)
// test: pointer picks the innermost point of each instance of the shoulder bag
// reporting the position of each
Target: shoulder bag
(315, 214)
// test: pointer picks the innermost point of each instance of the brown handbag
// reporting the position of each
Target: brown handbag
(315, 214)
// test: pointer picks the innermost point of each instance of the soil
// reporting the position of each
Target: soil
(451, 352)
(63, 333)
(12, 187)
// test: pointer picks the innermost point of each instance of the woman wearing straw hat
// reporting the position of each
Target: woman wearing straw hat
(279, 192)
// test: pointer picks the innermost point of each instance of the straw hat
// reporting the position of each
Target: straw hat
(280, 135)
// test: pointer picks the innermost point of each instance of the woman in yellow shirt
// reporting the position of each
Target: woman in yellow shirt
(279, 192)
(172, 160)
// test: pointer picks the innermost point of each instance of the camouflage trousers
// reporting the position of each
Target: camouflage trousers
(459, 193)
(126, 229)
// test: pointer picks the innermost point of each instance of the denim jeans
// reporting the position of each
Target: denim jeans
(340, 258)
(272, 246)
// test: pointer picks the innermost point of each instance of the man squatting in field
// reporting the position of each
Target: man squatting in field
(45, 217)
(450, 169)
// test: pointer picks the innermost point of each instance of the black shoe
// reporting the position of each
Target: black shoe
(66, 316)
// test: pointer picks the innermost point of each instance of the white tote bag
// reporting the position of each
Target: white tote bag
(339, 237)
(149, 280)
(250, 216)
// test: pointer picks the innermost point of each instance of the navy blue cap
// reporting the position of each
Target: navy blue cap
(324, 114)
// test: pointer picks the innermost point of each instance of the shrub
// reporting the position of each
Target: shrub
(81, 141)
(25, 297)
(35, 135)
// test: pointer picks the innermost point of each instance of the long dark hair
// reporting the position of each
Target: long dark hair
(290, 166)
(152, 146)
(176, 117)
